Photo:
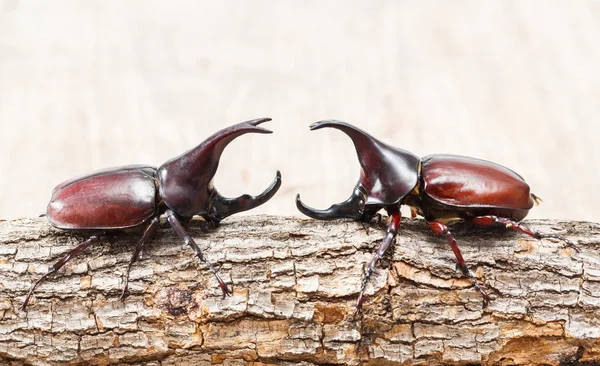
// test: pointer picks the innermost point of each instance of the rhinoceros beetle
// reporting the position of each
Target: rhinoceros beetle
(441, 188)
(133, 198)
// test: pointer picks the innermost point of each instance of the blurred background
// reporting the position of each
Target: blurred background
(86, 85)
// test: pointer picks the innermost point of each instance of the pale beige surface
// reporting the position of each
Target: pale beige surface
(90, 84)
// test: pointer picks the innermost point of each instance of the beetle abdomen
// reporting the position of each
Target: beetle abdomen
(112, 199)
(468, 182)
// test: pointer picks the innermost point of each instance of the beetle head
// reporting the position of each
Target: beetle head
(387, 175)
(185, 182)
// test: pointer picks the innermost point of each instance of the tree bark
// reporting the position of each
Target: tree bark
(295, 284)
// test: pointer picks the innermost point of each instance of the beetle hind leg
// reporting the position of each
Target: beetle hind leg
(58, 265)
(510, 224)
(150, 229)
(440, 228)
(176, 225)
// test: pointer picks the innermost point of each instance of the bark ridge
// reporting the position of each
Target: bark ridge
(295, 283)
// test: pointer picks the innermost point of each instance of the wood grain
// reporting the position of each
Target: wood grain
(295, 282)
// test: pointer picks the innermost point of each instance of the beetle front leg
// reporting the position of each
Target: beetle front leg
(510, 224)
(58, 265)
(440, 228)
(392, 230)
(176, 225)
(365, 224)
(209, 224)
(150, 229)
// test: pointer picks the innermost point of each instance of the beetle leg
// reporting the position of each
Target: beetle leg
(440, 228)
(510, 224)
(58, 265)
(151, 229)
(365, 227)
(371, 222)
(176, 225)
(413, 213)
(392, 230)
(207, 226)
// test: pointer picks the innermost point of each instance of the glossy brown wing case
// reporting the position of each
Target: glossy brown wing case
(462, 181)
(114, 198)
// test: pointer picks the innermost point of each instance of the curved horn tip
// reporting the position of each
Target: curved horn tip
(325, 123)
(255, 122)
(274, 187)
(258, 121)
(299, 203)
(301, 206)
(308, 211)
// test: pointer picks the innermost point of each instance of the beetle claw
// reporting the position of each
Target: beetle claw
(486, 301)
(123, 294)
(226, 292)
(222, 285)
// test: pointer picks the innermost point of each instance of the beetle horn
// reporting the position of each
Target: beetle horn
(387, 174)
(352, 208)
(185, 182)
(223, 206)
(206, 156)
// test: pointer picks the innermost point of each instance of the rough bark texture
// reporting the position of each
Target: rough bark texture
(295, 283)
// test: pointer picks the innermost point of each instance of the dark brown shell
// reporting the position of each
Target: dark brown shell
(462, 181)
(113, 198)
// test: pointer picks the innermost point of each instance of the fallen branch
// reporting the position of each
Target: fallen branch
(295, 283)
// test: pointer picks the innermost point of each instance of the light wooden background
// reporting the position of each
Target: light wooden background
(90, 84)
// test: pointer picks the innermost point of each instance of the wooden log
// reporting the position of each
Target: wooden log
(295, 283)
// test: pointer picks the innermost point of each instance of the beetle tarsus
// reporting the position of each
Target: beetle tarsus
(387, 241)
(176, 225)
(222, 284)
(440, 228)
(574, 246)
(224, 289)
(58, 265)
(511, 224)
(150, 230)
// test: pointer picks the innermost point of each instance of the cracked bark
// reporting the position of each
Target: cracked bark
(295, 283)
